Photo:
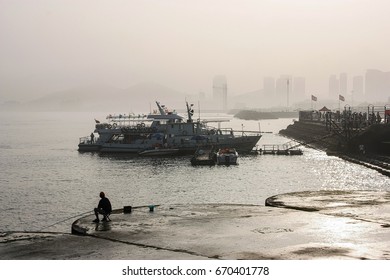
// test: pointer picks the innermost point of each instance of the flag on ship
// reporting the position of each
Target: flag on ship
(341, 98)
(314, 98)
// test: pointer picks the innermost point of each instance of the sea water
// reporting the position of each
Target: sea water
(46, 183)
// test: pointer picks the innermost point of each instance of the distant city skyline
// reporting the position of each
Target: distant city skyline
(287, 90)
(51, 46)
(374, 86)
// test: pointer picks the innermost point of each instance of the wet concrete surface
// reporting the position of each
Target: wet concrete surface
(302, 225)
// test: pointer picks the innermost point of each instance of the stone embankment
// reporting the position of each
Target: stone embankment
(375, 140)
(313, 135)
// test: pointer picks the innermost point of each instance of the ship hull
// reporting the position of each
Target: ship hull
(243, 144)
(89, 147)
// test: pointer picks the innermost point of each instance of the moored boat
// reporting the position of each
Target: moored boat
(227, 156)
(137, 133)
(87, 144)
(204, 156)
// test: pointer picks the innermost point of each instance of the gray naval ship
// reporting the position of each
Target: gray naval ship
(165, 131)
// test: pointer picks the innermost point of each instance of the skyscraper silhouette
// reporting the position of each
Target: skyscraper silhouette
(343, 84)
(377, 87)
(220, 92)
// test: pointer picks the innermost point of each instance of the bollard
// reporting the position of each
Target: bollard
(126, 209)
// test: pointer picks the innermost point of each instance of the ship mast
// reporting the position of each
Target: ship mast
(190, 111)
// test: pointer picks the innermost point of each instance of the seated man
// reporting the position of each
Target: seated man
(104, 208)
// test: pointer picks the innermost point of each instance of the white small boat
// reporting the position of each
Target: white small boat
(227, 156)
(159, 152)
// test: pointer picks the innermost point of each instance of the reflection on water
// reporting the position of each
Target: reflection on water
(44, 179)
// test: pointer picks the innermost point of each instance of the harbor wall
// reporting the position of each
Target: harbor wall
(375, 138)
(314, 134)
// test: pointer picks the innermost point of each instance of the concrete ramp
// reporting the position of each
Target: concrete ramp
(306, 225)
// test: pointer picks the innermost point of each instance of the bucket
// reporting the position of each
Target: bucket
(151, 208)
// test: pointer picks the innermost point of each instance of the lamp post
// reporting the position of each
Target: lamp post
(352, 93)
(339, 104)
(368, 113)
(345, 111)
(368, 109)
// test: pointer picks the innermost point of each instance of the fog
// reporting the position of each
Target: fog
(55, 45)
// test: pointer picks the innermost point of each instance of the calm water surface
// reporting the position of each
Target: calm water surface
(44, 180)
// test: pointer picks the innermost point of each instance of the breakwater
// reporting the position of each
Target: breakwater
(312, 134)
(369, 147)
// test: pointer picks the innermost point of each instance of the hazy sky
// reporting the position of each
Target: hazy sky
(184, 43)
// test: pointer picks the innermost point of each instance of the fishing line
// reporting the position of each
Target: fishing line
(65, 220)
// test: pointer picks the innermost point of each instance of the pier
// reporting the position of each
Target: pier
(290, 148)
(362, 138)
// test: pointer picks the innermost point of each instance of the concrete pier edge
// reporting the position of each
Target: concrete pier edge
(307, 225)
(176, 227)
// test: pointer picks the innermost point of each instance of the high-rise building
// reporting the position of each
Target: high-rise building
(334, 87)
(283, 90)
(358, 88)
(343, 84)
(220, 92)
(377, 86)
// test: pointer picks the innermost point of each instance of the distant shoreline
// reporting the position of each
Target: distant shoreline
(255, 115)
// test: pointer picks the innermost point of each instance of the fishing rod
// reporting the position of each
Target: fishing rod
(56, 223)
(114, 211)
